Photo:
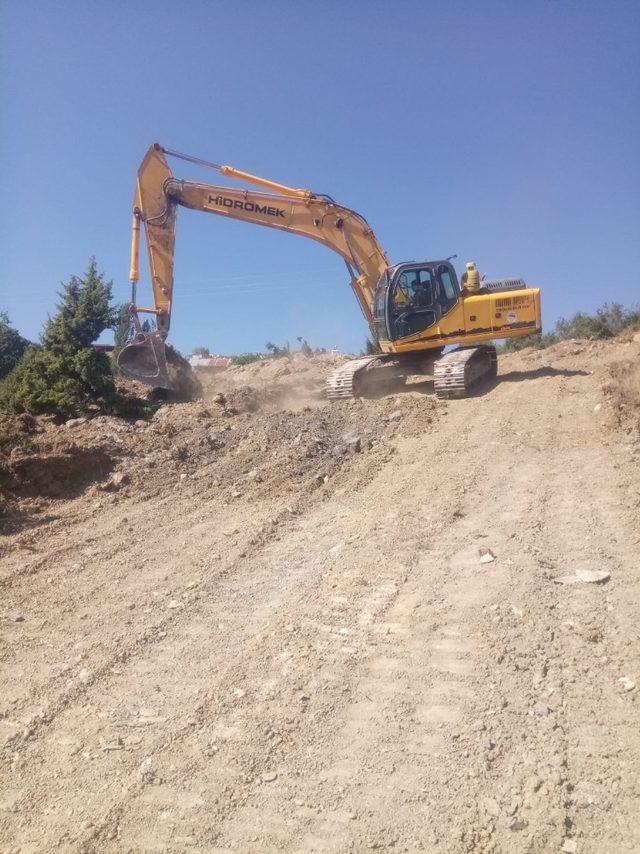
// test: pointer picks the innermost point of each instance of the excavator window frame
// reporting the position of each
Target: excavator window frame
(437, 309)
(453, 281)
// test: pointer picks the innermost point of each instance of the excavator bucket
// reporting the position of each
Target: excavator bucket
(149, 360)
(145, 359)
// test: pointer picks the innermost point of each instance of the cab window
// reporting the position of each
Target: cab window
(412, 308)
(424, 288)
(402, 291)
(447, 284)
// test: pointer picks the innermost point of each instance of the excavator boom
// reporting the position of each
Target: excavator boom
(297, 211)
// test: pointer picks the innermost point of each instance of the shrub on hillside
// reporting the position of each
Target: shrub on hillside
(44, 381)
(12, 345)
(247, 358)
(66, 373)
(274, 351)
(277, 352)
(607, 322)
(538, 341)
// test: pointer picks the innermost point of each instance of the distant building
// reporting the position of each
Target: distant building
(209, 361)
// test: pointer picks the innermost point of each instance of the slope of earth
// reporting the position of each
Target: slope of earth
(242, 627)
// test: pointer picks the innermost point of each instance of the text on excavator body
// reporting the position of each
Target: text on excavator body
(223, 202)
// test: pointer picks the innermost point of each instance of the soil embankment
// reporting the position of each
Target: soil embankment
(261, 622)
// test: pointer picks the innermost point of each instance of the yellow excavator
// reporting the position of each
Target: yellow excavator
(414, 309)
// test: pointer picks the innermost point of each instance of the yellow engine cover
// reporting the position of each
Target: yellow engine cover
(478, 318)
(503, 313)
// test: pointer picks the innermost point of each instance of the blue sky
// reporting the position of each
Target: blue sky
(504, 132)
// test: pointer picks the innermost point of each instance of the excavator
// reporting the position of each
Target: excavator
(415, 310)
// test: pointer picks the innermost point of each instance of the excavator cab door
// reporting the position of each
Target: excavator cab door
(447, 287)
(418, 295)
(411, 305)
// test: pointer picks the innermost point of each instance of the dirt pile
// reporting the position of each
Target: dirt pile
(40, 462)
(271, 428)
(623, 388)
(261, 426)
(291, 382)
(335, 628)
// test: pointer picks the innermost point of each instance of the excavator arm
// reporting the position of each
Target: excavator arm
(158, 195)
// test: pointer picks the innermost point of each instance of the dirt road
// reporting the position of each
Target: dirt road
(337, 630)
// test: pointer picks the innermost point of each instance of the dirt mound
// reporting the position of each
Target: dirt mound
(265, 426)
(41, 461)
(270, 429)
(331, 627)
(290, 382)
(62, 474)
(623, 388)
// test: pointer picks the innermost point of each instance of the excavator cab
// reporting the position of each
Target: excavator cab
(412, 297)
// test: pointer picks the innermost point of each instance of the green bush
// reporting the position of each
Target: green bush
(46, 382)
(66, 373)
(538, 341)
(247, 358)
(607, 322)
(277, 352)
(12, 345)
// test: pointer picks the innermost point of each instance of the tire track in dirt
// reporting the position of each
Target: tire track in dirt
(358, 679)
(46, 716)
(383, 594)
(159, 545)
(175, 735)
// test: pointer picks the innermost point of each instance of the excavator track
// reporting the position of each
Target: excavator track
(457, 372)
(342, 384)
(372, 376)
